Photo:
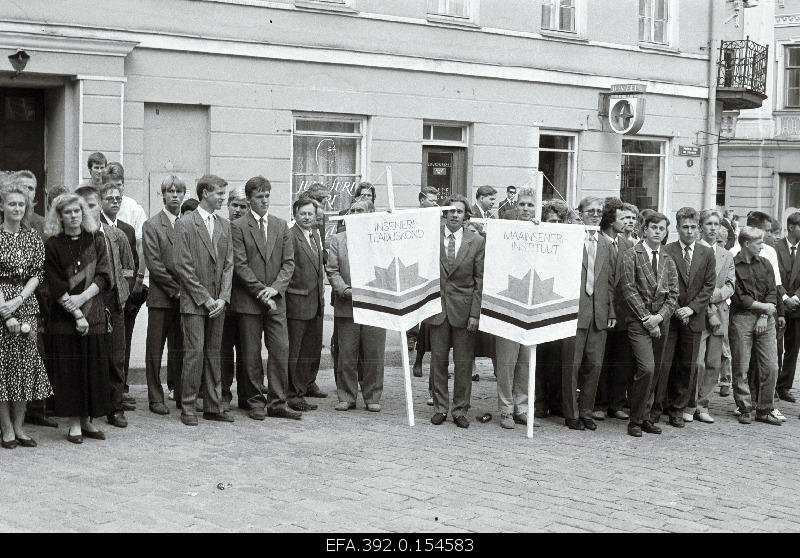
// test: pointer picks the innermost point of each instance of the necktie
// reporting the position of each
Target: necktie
(261, 226)
(654, 263)
(793, 254)
(687, 257)
(451, 248)
(614, 249)
(210, 226)
(591, 252)
(312, 240)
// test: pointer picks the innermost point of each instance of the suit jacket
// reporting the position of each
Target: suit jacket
(204, 265)
(304, 295)
(260, 263)
(338, 270)
(504, 207)
(695, 285)
(723, 289)
(790, 274)
(645, 293)
(600, 307)
(621, 310)
(130, 234)
(121, 263)
(461, 283)
(158, 244)
(731, 234)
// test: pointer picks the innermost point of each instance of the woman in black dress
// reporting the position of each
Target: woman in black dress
(77, 272)
(22, 373)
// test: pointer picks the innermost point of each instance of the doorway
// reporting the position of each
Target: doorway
(445, 168)
(22, 129)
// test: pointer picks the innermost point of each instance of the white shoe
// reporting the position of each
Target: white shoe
(778, 415)
(171, 395)
(704, 417)
(687, 417)
(736, 412)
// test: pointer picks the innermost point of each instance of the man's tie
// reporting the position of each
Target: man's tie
(687, 257)
(313, 241)
(451, 248)
(654, 264)
(614, 249)
(793, 254)
(210, 226)
(261, 226)
(591, 253)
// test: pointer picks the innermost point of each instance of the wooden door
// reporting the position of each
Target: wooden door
(445, 168)
(22, 125)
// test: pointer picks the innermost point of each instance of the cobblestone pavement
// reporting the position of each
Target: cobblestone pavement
(346, 471)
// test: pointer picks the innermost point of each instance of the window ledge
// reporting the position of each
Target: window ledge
(324, 7)
(658, 47)
(786, 111)
(452, 21)
(563, 35)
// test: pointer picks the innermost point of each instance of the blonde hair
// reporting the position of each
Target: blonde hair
(54, 225)
(13, 186)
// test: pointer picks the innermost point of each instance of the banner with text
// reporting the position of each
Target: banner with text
(394, 267)
(531, 280)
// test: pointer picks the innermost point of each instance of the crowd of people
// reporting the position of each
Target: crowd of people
(660, 324)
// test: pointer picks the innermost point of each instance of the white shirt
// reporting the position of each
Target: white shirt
(310, 241)
(691, 250)
(459, 234)
(650, 254)
(110, 220)
(132, 213)
(483, 213)
(258, 217)
(767, 252)
(204, 215)
(172, 218)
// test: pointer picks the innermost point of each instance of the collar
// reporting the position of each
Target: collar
(649, 250)
(204, 214)
(172, 218)
(612, 239)
(702, 242)
(109, 219)
(257, 217)
(739, 258)
(458, 234)
(790, 245)
(683, 246)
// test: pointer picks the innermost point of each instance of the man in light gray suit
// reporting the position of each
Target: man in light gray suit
(204, 262)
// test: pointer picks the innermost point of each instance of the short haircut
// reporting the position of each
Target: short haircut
(173, 180)
(654, 217)
(758, 219)
(526, 192)
(793, 219)
(368, 205)
(107, 187)
(364, 185)
(236, 194)
(116, 167)
(26, 174)
(685, 213)
(96, 158)
(610, 207)
(113, 173)
(485, 191)
(87, 192)
(706, 214)
(427, 191)
(630, 207)
(208, 182)
(555, 206)
(256, 184)
(512, 187)
(304, 201)
(749, 234)
(316, 190)
(54, 191)
(587, 201)
(189, 205)
(457, 198)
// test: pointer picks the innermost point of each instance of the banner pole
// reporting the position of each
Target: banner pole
(407, 378)
(390, 188)
(531, 389)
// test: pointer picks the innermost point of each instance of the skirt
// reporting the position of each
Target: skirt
(79, 367)
(22, 373)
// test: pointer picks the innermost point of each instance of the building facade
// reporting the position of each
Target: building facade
(451, 93)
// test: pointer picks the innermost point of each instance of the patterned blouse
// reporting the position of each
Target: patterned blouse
(21, 258)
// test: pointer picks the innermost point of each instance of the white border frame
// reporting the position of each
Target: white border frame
(572, 192)
(664, 191)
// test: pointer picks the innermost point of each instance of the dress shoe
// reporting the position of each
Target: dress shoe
(621, 415)
(117, 419)
(11, 444)
(768, 418)
(461, 421)
(507, 421)
(778, 415)
(521, 418)
(189, 420)
(27, 442)
(77, 439)
(589, 424)
(574, 424)
(257, 413)
(744, 417)
(317, 393)
(39, 420)
(218, 417)
(650, 428)
(476, 378)
(634, 430)
(438, 418)
(344, 406)
(374, 407)
(302, 406)
(688, 417)
(704, 417)
(159, 409)
(283, 412)
(786, 396)
(94, 435)
(677, 422)
(598, 415)
(417, 371)
(724, 391)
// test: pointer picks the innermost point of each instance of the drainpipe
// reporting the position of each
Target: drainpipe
(712, 151)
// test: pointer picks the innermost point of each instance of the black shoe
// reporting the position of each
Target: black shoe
(159, 409)
(677, 422)
(786, 396)
(302, 406)
(26, 442)
(11, 444)
(283, 412)
(589, 424)
(634, 430)
(96, 435)
(117, 419)
(75, 439)
(476, 378)
(650, 428)
(438, 418)
(461, 421)
(39, 420)
(724, 391)
(317, 393)
(574, 424)
(218, 417)
(417, 370)
(189, 420)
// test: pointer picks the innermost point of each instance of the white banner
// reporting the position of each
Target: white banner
(531, 280)
(394, 267)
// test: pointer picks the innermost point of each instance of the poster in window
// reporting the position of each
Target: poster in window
(331, 161)
(440, 173)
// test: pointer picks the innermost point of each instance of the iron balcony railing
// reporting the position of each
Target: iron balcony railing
(743, 65)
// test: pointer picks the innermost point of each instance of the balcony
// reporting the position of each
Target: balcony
(742, 74)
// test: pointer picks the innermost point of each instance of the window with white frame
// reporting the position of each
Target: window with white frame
(654, 21)
(642, 173)
(328, 149)
(444, 134)
(559, 15)
(557, 163)
(461, 9)
(792, 77)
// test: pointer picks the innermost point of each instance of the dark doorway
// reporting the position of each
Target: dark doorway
(22, 124)
(445, 168)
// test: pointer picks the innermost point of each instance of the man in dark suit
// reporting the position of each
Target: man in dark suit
(789, 268)
(304, 304)
(509, 203)
(697, 275)
(650, 285)
(582, 356)
(461, 273)
(484, 203)
(204, 263)
(163, 297)
(263, 266)
(727, 222)
(617, 369)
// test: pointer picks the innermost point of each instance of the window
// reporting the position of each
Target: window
(793, 77)
(642, 172)
(558, 15)
(557, 163)
(722, 181)
(654, 21)
(328, 149)
(444, 133)
(450, 8)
